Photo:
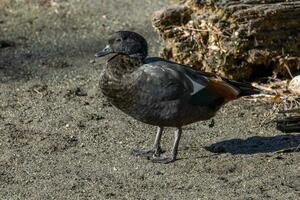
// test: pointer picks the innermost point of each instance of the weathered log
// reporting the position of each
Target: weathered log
(236, 39)
(291, 123)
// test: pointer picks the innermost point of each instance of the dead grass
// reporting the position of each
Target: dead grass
(276, 93)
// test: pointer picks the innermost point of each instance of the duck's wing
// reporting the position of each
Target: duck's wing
(155, 83)
(165, 80)
(160, 82)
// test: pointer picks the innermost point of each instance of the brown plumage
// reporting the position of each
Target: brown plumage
(223, 89)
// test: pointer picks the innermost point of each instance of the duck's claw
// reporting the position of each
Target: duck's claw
(163, 160)
(146, 152)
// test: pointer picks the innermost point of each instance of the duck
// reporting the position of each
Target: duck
(161, 93)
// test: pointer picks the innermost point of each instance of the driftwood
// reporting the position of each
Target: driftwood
(291, 123)
(236, 39)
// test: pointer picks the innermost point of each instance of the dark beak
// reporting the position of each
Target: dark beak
(107, 50)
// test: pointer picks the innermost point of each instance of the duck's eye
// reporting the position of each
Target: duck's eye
(118, 40)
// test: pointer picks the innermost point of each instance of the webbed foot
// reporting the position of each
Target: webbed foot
(146, 152)
(163, 160)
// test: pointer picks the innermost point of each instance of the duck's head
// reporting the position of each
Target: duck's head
(125, 42)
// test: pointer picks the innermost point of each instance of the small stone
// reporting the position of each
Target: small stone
(158, 173)
(81, 124)
(93, 116)
(4, 44)
(294, 85)
(212, 123)
(80, 92)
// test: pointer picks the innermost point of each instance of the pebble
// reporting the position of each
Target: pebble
(294, 85)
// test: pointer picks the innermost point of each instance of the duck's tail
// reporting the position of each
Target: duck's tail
(246, 89)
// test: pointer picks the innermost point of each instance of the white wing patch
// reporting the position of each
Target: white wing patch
(149, 69)
(196, 86)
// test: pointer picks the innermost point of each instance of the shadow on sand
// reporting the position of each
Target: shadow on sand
(256, 144)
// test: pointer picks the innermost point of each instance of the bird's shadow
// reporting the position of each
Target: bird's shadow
(256, 144)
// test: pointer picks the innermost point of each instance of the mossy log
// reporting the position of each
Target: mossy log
(236, 39)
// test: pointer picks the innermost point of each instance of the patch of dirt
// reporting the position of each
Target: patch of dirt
(61, 139)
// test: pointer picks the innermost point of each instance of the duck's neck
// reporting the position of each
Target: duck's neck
(121, 65)
(116, 78)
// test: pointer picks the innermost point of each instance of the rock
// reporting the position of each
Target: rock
(80, 92)
(294, 85)
(5, 44)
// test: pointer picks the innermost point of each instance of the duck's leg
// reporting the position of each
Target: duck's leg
(155, 151)
(165, 160)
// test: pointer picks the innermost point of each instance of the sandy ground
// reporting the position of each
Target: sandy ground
(60, 138)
